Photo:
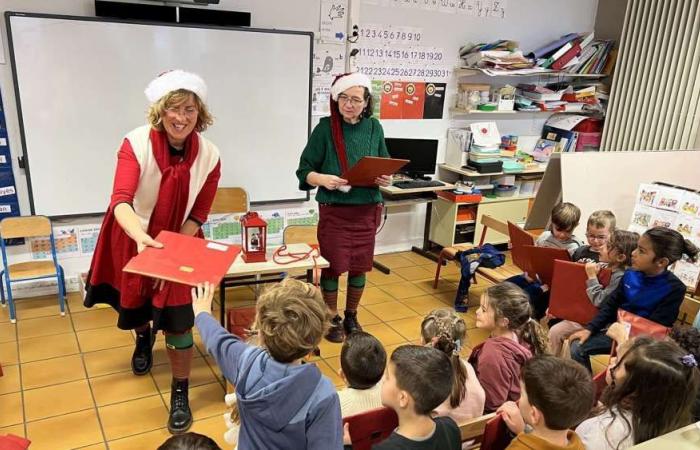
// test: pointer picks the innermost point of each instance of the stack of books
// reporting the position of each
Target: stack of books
(502, 55)
(576, 53)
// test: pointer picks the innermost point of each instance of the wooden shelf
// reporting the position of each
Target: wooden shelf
(471, 71)
(506, 199)
(472, 173)
(465, 222)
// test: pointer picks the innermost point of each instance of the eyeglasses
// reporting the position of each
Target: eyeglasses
(355, 101)
(188, 111)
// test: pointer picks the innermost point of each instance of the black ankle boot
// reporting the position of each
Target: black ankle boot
(350, 323)
(335, 332)
(180, 418)
(142, 359)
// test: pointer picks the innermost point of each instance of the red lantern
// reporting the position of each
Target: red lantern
(253, 238)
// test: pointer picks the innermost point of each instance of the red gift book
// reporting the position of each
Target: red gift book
(568, 299)
(184, 259)
(541, 261)
(519, 238)
(370, 167)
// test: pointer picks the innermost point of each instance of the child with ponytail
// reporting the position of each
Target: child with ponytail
(446, 331)
(514, 337)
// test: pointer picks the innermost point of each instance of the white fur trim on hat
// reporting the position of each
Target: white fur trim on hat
(174, 80)
(347, 81)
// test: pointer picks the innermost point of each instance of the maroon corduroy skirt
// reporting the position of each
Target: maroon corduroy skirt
(346, 236)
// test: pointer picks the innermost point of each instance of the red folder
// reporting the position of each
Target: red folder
(567, 298)
(566, 57)
(496, 436)
(518, 239)
(184, 259)
(370, 167)
(541, 261)
(640, 326)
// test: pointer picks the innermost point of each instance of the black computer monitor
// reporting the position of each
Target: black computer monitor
(421, 152)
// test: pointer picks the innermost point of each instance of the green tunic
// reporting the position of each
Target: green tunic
(365, 138)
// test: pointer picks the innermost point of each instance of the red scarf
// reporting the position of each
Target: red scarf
(337, 131)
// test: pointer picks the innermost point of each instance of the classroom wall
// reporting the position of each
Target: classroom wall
(405, 224)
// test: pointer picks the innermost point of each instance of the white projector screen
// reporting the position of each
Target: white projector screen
(80, 81)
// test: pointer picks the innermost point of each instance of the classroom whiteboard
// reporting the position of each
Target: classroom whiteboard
(79, 83)
(609, 180)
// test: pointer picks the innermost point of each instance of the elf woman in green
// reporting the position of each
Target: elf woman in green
(349, 216)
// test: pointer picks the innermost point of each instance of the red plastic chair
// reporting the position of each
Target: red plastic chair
(496, 435)
(239, 321)
(12, 442)
(371, 427)
(519, 238)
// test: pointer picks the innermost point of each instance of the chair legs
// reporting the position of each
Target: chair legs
(2, 290)
(61, 281)
(6, 279)
(440, 262)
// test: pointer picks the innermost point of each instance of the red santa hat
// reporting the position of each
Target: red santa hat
(340, 84)
(174, 80)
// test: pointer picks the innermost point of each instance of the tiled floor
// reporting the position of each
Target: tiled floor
(68, 381)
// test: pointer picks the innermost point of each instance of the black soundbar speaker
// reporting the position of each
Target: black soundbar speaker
(172, 14)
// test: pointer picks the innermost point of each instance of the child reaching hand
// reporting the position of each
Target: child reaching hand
(617, 254)
(515, 336)
(446, 331)
(282, 403)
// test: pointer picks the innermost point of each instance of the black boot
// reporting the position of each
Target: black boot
(350, 323)
(180, 419)
(142, 359)
(335, 332)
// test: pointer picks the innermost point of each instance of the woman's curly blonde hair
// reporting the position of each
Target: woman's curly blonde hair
(173, 99)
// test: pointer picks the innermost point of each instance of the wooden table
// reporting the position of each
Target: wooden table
(243, 274)
(685, 438)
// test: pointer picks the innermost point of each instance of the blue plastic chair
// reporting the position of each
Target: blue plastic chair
(29, 227)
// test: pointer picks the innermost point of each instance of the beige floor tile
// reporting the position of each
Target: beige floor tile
(415, 273)
(8, 353)
(403, 290)
(334, 363)
(120, 387)
(75, 304)
(4, 314)
(109, 361)
(417, 259)
(98, 318)
(213, 427)
(365, 317)
(103, 338)
(8, 332)
(52, 371)
(443, 286)
(17, 430)
(330, 373)
(68, 431)
(29, 308)
(390, 349)
(383, 332)
(133, 417)
(144, 441)
(11, 411)
(205, 401)
(378, 278)
(393, 261)
(469, 318)
(46, 347)
(409, 328)
(476, 336)
(57, 400)
(329, 349)
(390, 311)
(201, 374)
(100, 446)
(372, 295)
(44, 326)
(9, 382)
(423, 304)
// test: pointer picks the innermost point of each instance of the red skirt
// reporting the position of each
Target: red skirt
(346, 235)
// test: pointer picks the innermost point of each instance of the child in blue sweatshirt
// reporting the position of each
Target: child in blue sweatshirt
(648, 290)
(282, 403)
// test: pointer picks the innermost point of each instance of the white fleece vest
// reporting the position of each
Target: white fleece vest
(149, 181)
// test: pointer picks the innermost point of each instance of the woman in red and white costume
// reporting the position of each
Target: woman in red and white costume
(166, 178)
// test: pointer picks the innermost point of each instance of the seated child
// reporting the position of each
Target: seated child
(648, 290)
(282, 403)
(599, 227)
(564, 219)
(515, 336)
(557, 394)
(688, 338)
(617, 255)
(189, 441)
(654, 385)
(362, 363)
(446, 331)
(416, 381)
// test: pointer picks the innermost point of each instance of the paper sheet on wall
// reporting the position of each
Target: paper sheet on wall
(275, 226)
(225, 228)
(333, 20)
(65, 239)
(302, 216)
(329, 61)
(87, 238)
(474, 8)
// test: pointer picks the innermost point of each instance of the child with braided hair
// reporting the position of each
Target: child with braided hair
(446, 331)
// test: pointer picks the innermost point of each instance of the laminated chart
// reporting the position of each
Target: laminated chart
(66, 240)
(225, 228)
(87, 238)
(302, 216)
